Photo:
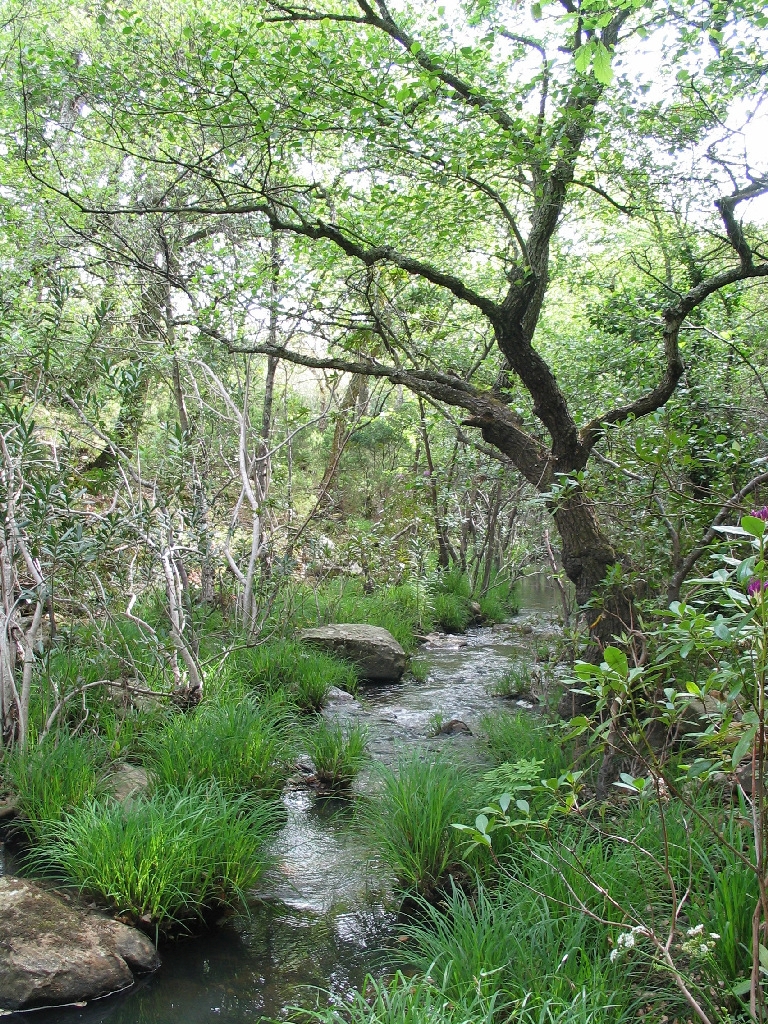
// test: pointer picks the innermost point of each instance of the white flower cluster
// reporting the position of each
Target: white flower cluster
(698, 946)
(627, 940)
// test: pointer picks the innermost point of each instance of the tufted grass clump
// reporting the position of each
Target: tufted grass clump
(515, 682)
(410, 821)
(305, 674)
(451, 604)
(338, 753)
(404, 1000)
(166, 861)
(242, 744)
(451, 612)
(512, 737)
(511, 942)
(52, 777)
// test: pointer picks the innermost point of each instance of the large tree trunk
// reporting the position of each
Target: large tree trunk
(588, 558)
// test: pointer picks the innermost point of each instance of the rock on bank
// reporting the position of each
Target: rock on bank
(375, 653)
(53, 953)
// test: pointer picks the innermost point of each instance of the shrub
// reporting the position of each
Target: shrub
(168, 859)
(337, 753)
(243, 745)
(410, 821)
(55, 776)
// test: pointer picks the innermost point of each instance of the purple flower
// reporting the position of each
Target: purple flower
(756, 586)
(760, 513)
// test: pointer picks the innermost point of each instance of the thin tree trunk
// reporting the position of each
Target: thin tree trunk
(445, 552)
(341, 432)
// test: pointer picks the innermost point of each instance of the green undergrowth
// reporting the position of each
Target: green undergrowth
(53, 777)
(410, 610)
(514, 948)
(509, 736)
(169, 859)
(409, 820)
(515, 682)
(546, 923)
(403, 610)
(288, 667)
(242, 744)
(338, 752)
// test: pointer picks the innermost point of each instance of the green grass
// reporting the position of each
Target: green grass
(169, 859)
(338, 753)
(451, 600)
(403, 1000)
(409, 821)
(53, 777)
(515, 682)
(512, 737)
(289, 666)
(726, 904)
(498, 606)
(242, 744)
(514, 944)
(403, 610)
(451, 613)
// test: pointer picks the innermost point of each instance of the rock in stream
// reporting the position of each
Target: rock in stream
(52, 952)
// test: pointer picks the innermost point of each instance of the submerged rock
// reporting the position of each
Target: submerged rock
(454, 728)
(374, 651)
(52, 953)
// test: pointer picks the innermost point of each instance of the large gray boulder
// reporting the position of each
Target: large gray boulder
(375, 653)
(52, 952)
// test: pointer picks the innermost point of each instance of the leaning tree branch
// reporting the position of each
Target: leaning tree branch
(318, 230)
(492, 416)
(621, 207)
(674, 317)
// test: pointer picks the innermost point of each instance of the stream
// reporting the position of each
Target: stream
(325, 916)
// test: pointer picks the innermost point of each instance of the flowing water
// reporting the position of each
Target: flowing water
(325, 917)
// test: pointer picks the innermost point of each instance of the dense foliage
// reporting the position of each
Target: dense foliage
(357, 311)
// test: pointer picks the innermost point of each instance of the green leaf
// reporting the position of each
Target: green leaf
(523, 805)
(616, 660)
(583, 57)
(721, 631)
(746, 569)
(601, 65)
(743, 745)
(753, 526)
(698, 768)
